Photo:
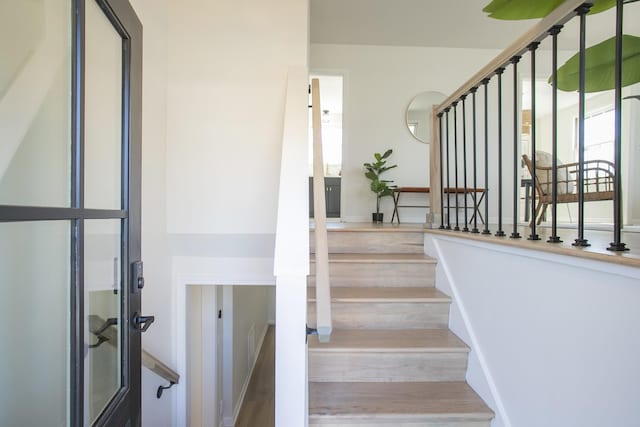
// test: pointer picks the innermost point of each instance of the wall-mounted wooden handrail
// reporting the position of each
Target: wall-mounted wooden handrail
(105, 332)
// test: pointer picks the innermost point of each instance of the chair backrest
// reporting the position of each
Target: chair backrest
(527, 162)
(544, 174)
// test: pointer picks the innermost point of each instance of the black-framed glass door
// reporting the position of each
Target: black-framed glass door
(70, 163)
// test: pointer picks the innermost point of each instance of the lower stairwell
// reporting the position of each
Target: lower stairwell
(392, 360)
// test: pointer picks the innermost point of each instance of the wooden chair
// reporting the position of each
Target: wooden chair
(598, 182)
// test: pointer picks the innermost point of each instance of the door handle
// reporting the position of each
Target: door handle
(142, 323)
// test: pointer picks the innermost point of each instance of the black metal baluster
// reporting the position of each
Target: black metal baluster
(516, 140)
(475, 165)
(554, 137)
(448, 167)
(455, 159)
(441, 174)
(464, 160)
(617, 245)
(485, 83)
(500, 232)
(582, 13)
(532, 48)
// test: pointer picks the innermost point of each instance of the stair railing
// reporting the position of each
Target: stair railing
(507, 60)
(105, 332)
(323, 289)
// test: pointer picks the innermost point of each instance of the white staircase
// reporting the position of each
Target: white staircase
(391, 360)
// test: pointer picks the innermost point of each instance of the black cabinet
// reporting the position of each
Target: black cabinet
(331, 194)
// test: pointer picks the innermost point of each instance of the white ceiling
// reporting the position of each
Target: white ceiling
(438, 23)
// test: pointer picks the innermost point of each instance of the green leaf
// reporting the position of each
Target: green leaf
(387, 153)
(600, 61)
(520, 9)
(533, 9)
(377, 156)
(371, 175)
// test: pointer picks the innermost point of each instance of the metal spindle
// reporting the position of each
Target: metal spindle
(532, 48)
(475, 165)
(617, 245)
(516, 140)
(464, 160)
(485, 83)
(500, 232)
(448, 167)
(554, 137)
(455, 159)
(582, 13)
(441, 174)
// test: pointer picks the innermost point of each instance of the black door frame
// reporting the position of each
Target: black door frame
(124, 409)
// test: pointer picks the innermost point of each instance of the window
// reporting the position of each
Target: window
(598, 135)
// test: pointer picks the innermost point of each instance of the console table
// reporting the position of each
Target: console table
(473, 192)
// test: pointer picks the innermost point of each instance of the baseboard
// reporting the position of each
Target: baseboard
(243, 391)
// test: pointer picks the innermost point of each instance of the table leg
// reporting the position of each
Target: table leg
(527, 194)
(476, 206)
(396, 199)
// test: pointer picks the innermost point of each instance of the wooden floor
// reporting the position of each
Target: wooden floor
(258, 409)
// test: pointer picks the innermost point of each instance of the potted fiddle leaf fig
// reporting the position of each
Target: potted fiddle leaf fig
(380, 187)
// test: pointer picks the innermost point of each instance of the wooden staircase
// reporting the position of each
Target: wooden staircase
(392, 360)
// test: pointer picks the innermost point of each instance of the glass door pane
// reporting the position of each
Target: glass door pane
(103, 111)
(34, 323)
(35, 102)
(103, 322)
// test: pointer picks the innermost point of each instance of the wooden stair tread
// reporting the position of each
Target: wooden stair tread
(373, 340)
(372, 258)
(434, 401)
(356, 227)
(379, 294)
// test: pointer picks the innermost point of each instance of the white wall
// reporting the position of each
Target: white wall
(250, 321)
(227, 70)
(379, 84)
(555, 348)
(227, 65)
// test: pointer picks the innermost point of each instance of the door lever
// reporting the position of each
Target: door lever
(142, 323)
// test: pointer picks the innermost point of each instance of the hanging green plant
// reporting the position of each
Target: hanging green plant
(533, 9)
(600, 66)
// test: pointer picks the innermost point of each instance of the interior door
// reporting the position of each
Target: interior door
(70, 162)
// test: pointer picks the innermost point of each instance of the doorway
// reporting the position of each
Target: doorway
(227, 326)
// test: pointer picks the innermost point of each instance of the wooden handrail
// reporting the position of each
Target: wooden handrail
(559, 16)
(323, 289)
(109, 335)
(158, 367)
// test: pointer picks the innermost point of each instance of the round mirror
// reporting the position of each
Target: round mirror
(419, 114)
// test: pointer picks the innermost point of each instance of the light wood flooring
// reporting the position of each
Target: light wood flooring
(391, 360)
(258, 409)
(599, 238)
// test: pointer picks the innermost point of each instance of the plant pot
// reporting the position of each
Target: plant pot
(377, 217)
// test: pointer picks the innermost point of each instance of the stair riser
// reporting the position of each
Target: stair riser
(368, 242)
(373, 423)
(386, 366)
(376, 275)
(415, 315)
